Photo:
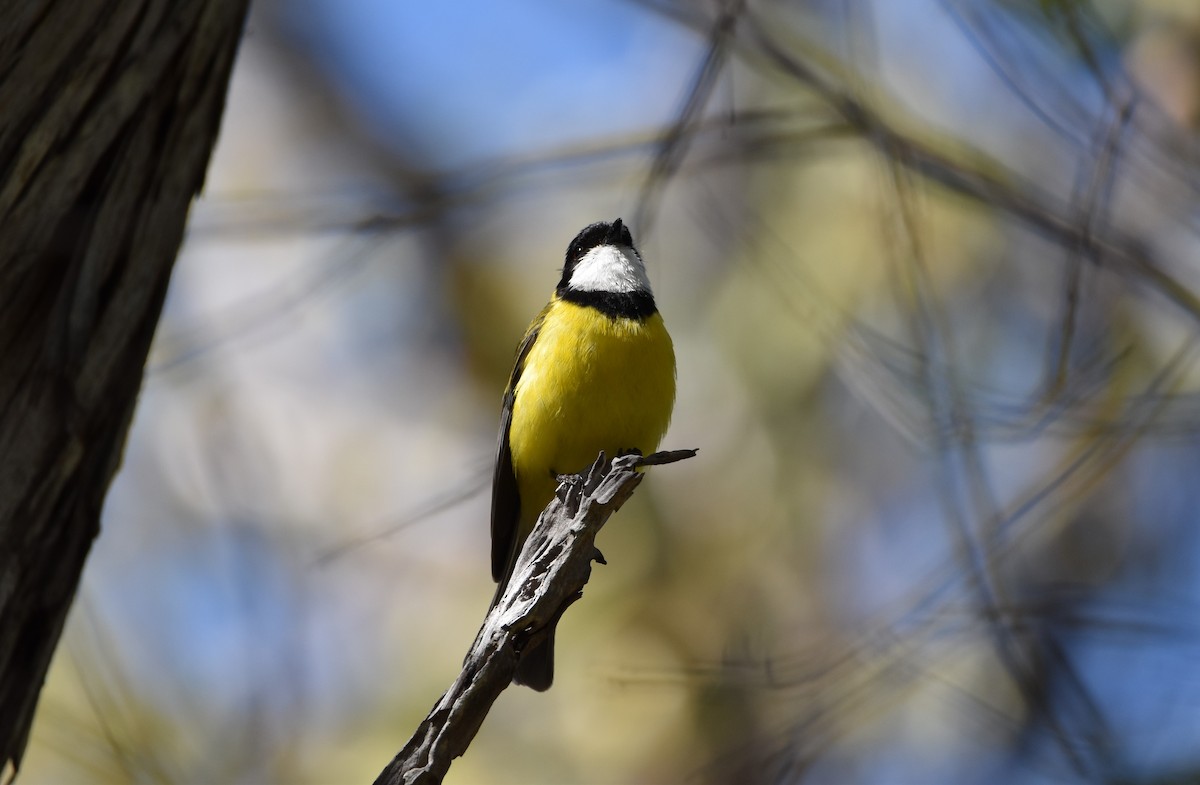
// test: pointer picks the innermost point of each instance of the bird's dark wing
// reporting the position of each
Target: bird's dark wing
(506, 500)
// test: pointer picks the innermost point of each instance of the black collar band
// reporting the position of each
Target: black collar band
(630, 305)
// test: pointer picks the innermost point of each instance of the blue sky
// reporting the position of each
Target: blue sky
(474, 79)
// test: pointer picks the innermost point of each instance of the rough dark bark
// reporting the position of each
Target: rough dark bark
(554, 566)
(108, 115)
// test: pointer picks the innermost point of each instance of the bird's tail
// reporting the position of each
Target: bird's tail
(536, 668)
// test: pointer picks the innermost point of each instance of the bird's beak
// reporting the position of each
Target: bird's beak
(614, 233)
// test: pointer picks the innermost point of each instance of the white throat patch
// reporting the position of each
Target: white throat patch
(610, 268)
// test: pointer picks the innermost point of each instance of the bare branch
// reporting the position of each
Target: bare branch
(554, 566)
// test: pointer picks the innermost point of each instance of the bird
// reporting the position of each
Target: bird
(595, 371)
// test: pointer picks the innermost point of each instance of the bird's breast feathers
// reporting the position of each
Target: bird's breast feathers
(590, 382)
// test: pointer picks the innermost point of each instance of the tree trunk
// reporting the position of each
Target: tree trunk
(108, 114)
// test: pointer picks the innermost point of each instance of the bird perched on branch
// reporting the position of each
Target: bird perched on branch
(596, 371)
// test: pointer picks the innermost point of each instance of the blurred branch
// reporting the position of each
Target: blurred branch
(1125, 255)
(675, 143)
(553, 568)
(975, 510)
(965, 170)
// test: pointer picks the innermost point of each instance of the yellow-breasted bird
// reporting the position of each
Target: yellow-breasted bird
(596, 371)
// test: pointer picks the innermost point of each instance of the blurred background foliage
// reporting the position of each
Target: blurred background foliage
(931, 270)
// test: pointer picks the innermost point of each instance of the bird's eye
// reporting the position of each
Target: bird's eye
(586, 240)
